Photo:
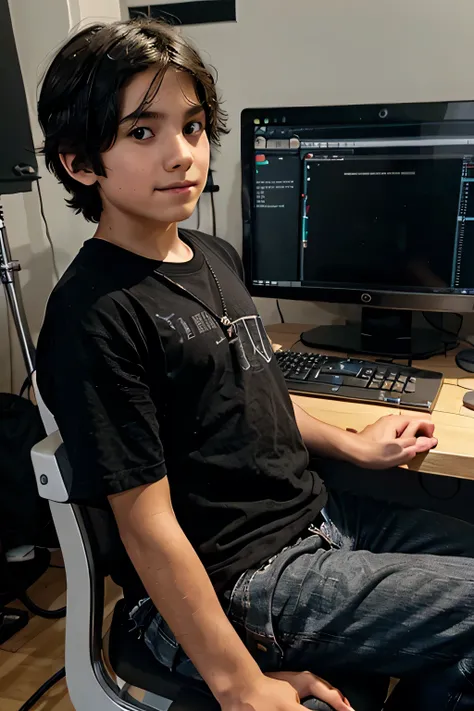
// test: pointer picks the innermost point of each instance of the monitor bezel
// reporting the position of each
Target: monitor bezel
(357, 114)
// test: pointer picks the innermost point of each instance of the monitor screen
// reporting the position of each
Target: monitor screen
(361, 204)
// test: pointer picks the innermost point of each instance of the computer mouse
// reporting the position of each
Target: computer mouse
(465, 360)
(468, 400)
(314, 704)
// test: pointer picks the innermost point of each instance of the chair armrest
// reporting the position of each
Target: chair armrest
(52, 469)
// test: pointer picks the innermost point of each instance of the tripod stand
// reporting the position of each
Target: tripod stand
(9, 276)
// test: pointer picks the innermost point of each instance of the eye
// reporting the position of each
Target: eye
(193, 128)
(142, 133)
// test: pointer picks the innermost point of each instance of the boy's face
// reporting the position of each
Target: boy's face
(157, 168)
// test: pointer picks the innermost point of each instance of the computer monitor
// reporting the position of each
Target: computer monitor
(370, 205)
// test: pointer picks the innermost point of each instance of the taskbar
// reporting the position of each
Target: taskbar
(458, 291)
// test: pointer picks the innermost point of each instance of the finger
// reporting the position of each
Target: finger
(425, 444)
(336, 700)
(407, 455)
(414, 428)
(400, 424)
(406, 442)
(421, 443)
(329, 694)
(423, 427)
(401, 455)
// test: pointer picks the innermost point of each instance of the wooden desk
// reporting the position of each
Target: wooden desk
(454, 455)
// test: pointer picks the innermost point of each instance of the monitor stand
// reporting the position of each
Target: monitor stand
(381, 332)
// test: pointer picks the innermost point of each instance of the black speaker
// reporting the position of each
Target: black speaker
(18, 164)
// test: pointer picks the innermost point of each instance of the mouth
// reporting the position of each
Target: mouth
(178, 187)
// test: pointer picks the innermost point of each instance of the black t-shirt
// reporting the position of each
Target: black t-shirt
(144, 383)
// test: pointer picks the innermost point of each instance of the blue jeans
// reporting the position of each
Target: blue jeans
(393, 594)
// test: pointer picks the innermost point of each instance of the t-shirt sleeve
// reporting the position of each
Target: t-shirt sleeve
(92, 377)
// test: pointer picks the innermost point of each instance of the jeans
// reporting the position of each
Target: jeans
(392, 594)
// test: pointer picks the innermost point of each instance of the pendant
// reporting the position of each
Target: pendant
(229, 328)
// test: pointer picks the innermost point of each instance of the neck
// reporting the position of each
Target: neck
(151, 239)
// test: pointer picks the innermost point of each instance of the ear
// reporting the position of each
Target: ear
(78, 171)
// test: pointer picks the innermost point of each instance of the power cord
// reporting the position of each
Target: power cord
(31, 606)
(198, 210)
(280, 311)
(39, 611)
(212, 188)
(33, 700)
(48, 234)
(447, 332)
(213, 210)
(439, 498)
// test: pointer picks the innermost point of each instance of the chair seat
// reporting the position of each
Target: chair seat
(133, 662)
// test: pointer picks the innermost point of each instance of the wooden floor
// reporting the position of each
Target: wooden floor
(29, 658)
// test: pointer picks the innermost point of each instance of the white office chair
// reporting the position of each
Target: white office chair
(88, 538)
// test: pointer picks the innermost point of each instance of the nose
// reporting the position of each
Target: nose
(179, 155)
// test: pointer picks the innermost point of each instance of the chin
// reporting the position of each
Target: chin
(181, 214)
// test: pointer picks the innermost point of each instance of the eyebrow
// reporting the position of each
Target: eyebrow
(193, 110)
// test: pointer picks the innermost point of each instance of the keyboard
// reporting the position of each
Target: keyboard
(360, 380)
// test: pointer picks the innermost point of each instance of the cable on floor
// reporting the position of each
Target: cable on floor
(34, 698)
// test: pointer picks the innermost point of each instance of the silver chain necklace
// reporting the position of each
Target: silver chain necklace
(225, 320)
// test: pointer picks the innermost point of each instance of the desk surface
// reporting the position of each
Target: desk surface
(454, 455)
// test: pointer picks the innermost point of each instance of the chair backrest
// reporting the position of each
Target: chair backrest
(85, 536)
(49, 422)
(89, 684)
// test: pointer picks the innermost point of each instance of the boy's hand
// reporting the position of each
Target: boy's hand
(278, 692)
(307, 684)
(393, 441)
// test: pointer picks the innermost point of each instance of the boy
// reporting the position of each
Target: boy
(172, 417)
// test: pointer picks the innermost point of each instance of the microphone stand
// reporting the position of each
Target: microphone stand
(9, 276)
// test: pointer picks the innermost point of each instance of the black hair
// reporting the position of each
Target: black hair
(79, 102)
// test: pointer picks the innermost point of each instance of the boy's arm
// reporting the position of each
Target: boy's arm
(179, 586)
(391, 441)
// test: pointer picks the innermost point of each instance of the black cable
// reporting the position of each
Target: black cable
(213, 205)
(213, 209)
(39, 611)
(447, 332)
(48, 234)
(31, 606)
(280, 311)
(198, 209)
(43, 689)
(439, 498)
(294, 344)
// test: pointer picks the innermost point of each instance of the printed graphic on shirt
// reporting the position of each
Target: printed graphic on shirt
(168, 320)
(253, 346)
(200, 323)
(204, 322)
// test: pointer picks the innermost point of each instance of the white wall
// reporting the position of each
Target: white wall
(278, 53)
(40, 27)
(315, 52)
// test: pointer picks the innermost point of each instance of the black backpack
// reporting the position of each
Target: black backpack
(24, 516)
